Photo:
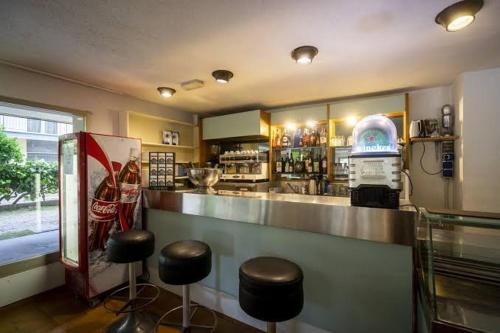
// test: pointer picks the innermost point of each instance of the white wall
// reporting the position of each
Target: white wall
(103, 106)
(458, 103)
(428, 191)
(31, 282)
(481, 150)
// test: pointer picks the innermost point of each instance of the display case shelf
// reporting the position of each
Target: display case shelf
(176, 162)
(459, 268)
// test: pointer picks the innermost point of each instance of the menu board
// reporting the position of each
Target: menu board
(162, 171)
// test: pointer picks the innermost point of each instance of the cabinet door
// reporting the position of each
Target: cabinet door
(69, 182)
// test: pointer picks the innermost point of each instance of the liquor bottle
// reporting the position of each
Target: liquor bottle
(287, 164)
(322, 137)
(306, 138)
(316, 163)
(297, 138)
(130, 189)
(291, 164)
(277, 138)
(324, 165)
(278, 164)
(309, 164)
(104, 210)
(299, 166)
(312, 138)
(318, 138)
(285, 140)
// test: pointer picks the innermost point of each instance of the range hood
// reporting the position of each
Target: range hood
(242, 126)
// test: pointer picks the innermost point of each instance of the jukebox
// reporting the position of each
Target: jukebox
(375, 164)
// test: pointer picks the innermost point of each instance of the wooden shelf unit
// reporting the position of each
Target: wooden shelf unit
(153, 144)
(272, 150)
(149, 128)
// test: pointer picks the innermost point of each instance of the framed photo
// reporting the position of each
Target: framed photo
(175, 138)
(167, 137)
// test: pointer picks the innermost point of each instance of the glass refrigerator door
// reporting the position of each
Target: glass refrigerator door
(70, 207)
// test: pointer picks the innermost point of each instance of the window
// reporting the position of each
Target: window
(29, 213)
(50, 127)
(41, 150)
(34, 125)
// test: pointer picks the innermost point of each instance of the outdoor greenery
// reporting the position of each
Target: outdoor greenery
(17, 177)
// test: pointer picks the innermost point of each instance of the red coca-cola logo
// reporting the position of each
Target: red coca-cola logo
(129, 192)
(101, 210)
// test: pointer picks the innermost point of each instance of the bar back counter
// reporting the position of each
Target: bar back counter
(357, 261)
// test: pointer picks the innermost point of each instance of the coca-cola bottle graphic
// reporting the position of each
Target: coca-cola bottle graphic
(104, 209)
(130, 188)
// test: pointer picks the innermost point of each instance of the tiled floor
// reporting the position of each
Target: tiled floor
(58, 311)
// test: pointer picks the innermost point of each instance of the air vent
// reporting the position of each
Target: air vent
(192, 84)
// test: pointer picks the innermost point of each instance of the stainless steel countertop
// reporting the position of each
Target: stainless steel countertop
(320, 214)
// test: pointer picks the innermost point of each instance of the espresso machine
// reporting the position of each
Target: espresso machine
(244, 166)
(375, 164)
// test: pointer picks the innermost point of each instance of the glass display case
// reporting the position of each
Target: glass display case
(459, 269)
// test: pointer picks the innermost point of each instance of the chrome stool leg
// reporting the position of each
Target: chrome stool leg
(134, 321)
(271, 327)
(188, 312)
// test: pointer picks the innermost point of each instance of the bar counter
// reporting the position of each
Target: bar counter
(320, 214)
(357, 261)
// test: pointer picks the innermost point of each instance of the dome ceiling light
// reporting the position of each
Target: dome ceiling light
(304, 54)
(166, 92)
(459, 15)
(222, 75)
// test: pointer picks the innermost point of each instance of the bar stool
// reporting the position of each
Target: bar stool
(129, 247)
(182, 263)
(271, 290)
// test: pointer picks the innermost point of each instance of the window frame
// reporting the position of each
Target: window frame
(27, 264)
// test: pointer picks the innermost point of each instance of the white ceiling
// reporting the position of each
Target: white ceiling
(134, 46)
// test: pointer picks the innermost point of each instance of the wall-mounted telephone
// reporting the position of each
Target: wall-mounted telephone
(448, 158)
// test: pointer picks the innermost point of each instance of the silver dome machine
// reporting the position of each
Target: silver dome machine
(375, 164)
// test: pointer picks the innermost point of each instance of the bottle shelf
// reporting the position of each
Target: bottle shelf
(435, 139)
(298, 174)
(300, 148)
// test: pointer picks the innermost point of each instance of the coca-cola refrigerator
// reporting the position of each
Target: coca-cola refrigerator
(99, 194)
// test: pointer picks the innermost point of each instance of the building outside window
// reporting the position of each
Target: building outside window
(34, 125)
(29, 215)
(50, 127)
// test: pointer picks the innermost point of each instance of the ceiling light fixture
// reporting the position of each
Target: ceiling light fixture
(304, 54)
(351, 120)
(166, 91)
(311, 123)
(222, 76)
(459, 15)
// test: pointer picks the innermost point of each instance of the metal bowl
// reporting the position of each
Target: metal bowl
(204, 178)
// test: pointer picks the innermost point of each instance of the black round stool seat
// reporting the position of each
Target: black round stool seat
(130, 246)
(185, 262)
(271, 289)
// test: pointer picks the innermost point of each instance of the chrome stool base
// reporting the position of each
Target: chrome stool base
(134, 322)
(188, 312)
(132, 304)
